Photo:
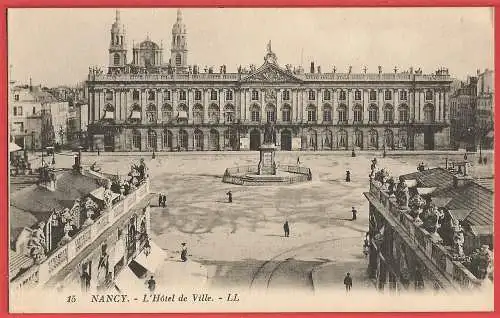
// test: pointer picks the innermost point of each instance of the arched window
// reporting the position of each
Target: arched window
(229, 94)
(229, 113)
(327, 94)
(327, 113)
(373, 139)
(213, 113)
(311, 113)
(166, 113)
(358, 139)
(167, 139)
(403, 113)
(286, 113)
(255, 113)
(197, 95)
(403, 139)
(342, 95)
(342, 139)
(255, 94)
(271, 113)
(429, 114)
(312, 94)
(312, 139)
(136, 139)
(197, 114)
(198, 139)
(116, 59)
(151, 113)
(183, 139)
(373, 113)
(152, 139)
(182, 95)
(342, 112)
(213, 94)
(389, 139)
(388, 113)
(230, 139)
(178, 60)
(358, 114)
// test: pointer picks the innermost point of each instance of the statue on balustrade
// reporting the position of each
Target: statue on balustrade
(458, 241)
(402, 194)
(432, 218)
(37, 244)
(66, 238)
(381, 176)
(390, 186)
(482, 262)
(269, 134)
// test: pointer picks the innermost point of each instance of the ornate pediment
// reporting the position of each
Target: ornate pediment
(271, 73)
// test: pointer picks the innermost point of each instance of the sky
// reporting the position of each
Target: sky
(57, 46)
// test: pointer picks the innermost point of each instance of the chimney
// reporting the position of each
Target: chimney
(312, 67)
(461, 178)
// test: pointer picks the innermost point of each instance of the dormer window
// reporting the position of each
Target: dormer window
(342, 95)
(166, 95)
(312, 95)
(229, 95)
(255, 94)
(213, 95)
(182, 95)
(197, 95)
(286, 95)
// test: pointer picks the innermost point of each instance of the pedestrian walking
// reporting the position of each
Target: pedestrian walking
(98, 151)
(298, 160)
(348, 176)
(348, 282)
(465, 156)
(151, 283)
(164, 200)
(229, 196)
(160, 199)
(353, 154)
(286, 228)
(354, 213)
(184, 252)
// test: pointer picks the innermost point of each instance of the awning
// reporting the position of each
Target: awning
(153, 260)
(99, 194)
(128, 282)
(441, 202)
(136, 115)
(460, 214)
(109, 115)
(14, 147)
(425, 191)
(411, 183)
(182, 114)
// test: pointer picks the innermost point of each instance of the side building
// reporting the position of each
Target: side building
(80, 231)
(434, 231)
(147, 104)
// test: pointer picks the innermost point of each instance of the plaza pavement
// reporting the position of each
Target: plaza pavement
(241, 245)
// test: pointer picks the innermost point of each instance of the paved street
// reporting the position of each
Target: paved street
(242, 244)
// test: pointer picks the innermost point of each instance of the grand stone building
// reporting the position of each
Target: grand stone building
(148, 104)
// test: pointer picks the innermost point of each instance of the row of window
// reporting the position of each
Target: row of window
(214, 95)
(230, 135)
(270, 112)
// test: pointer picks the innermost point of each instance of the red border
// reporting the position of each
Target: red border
(4, 133)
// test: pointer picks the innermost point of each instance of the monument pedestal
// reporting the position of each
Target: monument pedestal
(267, 166)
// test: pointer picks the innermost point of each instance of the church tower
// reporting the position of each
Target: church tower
(117, 46)
(178, 57)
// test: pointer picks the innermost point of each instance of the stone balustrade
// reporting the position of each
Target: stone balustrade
(38, 275)
(435, 252)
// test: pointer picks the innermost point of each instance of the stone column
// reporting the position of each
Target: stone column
(102, 102)
(366, 105)
(395, 98)
(143, 103)
(411, 104)
(421, 104)
(350, 105)
(189, 101)
(319, 107)
(221, 139)
(279, 103)
(437, 106)
(220, 92)
(204, 100)
(190, 144)
(380, 98)
(335, 106)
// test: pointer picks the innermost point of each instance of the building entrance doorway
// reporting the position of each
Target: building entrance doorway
(286, 140)
(254, 139)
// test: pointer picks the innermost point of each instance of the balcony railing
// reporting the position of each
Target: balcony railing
(435, 252)
(38, 275)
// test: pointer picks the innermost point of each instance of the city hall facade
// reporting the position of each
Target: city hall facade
(151, 105)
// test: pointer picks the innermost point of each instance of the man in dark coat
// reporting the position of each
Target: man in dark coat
(354, 214)
(286, 228)
(151, 284)
(348, 282)
(230, 196)
(348, 176)
(160, 199)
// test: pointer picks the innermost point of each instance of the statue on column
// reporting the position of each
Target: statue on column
(269, 137)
